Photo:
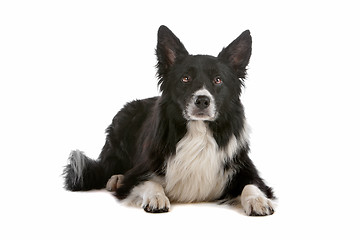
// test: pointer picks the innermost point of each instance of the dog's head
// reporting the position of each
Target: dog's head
(201, 86)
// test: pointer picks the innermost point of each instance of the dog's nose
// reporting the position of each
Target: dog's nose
(202, 102)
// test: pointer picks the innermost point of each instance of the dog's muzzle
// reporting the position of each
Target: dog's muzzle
(201, 106)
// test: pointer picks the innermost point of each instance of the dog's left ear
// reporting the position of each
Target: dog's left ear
(169, 49)
(238, 53)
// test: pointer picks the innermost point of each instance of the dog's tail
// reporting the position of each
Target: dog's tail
(83, 173)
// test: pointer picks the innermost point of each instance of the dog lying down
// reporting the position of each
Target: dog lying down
(190, 144)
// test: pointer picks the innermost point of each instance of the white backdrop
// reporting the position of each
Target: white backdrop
(67, 67)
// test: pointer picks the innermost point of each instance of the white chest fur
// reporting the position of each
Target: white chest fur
(196, 172)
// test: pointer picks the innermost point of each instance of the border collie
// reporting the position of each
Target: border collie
(190, 144)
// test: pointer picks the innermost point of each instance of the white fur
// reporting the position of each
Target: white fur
(204, 92)
(196, 173)
(77, 163)
(254, 201)
(149, 194)
(191, 107)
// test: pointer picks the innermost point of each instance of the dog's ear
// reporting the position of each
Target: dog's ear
(169, 49)
(238, 53)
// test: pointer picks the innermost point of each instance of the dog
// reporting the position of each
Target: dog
(190, 144)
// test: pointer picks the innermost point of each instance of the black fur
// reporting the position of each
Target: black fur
(144, 134)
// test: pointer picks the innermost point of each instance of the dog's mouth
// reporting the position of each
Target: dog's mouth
(201, 115)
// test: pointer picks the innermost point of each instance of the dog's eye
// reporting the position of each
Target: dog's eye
(186, 79)
(217, 80)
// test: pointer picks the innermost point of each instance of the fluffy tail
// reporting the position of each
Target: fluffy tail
(83, 173)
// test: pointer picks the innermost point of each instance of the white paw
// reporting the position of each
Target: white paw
(150, 196)
(258, 206)
(155, 203)
(255, 203)
(114, 182)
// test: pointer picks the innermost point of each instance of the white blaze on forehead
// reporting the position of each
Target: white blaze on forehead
(204, 92)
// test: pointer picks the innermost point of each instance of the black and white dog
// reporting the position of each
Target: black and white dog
(188, 145)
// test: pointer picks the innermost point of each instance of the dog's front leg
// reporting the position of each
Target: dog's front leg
(150, 196)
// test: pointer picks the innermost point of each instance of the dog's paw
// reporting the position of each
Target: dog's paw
(255, 203)
(258, 206)
(114, 182)
(156, 203)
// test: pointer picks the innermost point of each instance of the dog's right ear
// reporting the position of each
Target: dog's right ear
(169, 49)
